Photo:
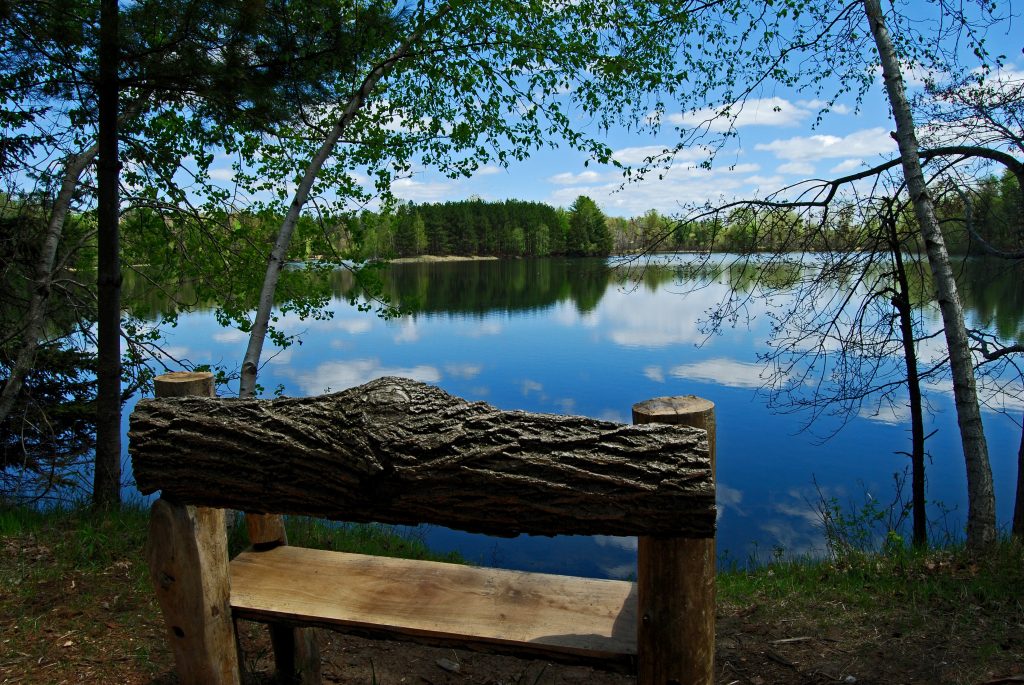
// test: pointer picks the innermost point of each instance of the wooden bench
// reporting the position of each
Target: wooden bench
(396, 451)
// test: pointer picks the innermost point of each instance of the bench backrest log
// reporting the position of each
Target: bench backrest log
(398, 451)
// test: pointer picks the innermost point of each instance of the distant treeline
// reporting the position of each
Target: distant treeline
(512, 228)
(515, 228)
(994, 212)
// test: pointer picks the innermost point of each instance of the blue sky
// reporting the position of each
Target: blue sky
(778, 144)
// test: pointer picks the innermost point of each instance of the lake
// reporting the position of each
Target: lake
(580, 337)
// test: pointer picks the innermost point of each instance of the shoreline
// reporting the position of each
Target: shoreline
(429, 258)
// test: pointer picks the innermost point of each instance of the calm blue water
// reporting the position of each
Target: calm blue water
(567, 337)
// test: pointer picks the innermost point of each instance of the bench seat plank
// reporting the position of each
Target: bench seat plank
(580, 619)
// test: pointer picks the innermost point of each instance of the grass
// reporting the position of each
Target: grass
(79, 540)
(75, 600)
(360, 538)
(913, 578)
(74, 540)
(76, 603)
(945, 615)
(76, 606)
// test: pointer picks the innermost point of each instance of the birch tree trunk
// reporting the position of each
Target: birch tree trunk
(35, 317)
(981, 514)
(258, 333)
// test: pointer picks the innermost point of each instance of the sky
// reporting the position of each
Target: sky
(778, 143)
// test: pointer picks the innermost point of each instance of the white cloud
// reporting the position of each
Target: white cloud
(485, 328)
(612, 415)
(172, 352)
(279, 357)
(335, 376)
(464, 371)
(222, 174)
(889, 415)
(721, 371)
(764, 184)
(1006, 83)
(917, 75)
(230, 335)
(621, 571)
(528, 386)
(356, 323)
(872, 141)
(728, 499)
(817, 105)
(654, 373)
(847, 166)
(747, 168)
(564, 314)
(642, 153)
(393, 120)
(1007, 74)
(773, 111)
(567, 405)
(353, 326)
(796, 168)
(568, 178)
(640, 319)
(417, 191)
(408, 331)
(676, 186)
(800, 510)
(488, 170)
(627, 543)
(637, 155)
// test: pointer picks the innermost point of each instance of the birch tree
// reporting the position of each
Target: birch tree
(465, 84)
(981, 501)
(832, 50)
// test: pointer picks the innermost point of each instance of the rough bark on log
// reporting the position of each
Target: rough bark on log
(398, 451)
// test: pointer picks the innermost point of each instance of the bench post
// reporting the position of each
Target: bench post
(187, 552)
(676, 577)
(296, 653)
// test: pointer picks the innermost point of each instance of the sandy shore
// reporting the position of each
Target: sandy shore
(438, 258)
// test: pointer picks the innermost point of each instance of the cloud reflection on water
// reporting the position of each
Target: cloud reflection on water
(721, 371)
(341, 375)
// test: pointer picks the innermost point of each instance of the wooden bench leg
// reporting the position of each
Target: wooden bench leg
(187, 553)
(296, 653)
(675, 612)
(676, 577)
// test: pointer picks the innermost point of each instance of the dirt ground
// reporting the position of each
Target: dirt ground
(750, 651)
(122, 641)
